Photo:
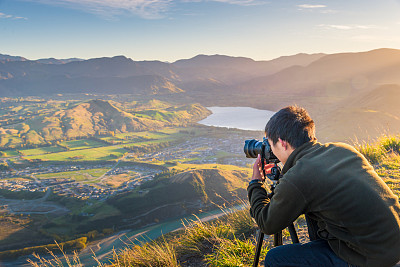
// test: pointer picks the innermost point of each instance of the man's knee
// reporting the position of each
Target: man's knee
(273, 257)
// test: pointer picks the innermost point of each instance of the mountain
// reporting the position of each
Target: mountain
(43, 60)
(11, 58)
(332, 75)
(372, 114)
(231, 70)
(121, 75)
(117, 75)
(57, 61)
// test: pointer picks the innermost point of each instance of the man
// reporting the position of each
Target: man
(353, 217)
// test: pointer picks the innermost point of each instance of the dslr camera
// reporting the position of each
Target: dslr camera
(253, 148)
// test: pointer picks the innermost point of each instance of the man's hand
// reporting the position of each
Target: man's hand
(257, 169)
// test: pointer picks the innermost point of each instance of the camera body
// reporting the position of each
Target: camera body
(253, 148)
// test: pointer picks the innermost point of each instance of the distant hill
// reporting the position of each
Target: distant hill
(100, 117)
(121, 75)
(334, 75)
(44, 60)
(182, 194)
(367, 116)
(11, 58)
(231, 70)
(57, 61)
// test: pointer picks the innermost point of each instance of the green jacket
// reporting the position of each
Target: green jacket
(336, 186)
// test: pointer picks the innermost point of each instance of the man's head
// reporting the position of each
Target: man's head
(292, 125)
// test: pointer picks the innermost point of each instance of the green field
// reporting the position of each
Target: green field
(9, 153)
(94, 154)
(82, 144)
(81, 175)
(41, 150)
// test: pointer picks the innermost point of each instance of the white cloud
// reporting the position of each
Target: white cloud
(348, 27)
(307, 6)
(316, 8)
(109, 8)
(240, 2)
(6, 16)
(149, 9)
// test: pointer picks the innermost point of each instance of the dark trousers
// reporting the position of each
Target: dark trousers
(316, 253)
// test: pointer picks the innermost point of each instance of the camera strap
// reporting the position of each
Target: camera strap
(263, 162)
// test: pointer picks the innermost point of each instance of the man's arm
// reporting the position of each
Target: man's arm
(275, 214)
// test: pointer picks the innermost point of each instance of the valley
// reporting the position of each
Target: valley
(93, 185)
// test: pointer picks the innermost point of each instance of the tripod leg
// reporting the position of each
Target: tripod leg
(278, 240)
(293, 234)
(260, 239)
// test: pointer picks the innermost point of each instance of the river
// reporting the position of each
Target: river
(103, 249)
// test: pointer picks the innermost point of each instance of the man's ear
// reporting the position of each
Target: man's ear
(284, 144)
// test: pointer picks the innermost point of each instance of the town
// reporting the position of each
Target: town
(135, 168)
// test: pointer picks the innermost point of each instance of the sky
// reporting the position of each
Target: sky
(169, 30)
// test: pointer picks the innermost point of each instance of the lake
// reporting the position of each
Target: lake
(244, 118)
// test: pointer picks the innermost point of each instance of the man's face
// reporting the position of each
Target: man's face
(279, 150)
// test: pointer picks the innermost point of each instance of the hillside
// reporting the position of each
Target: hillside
(371, 114)
(181, 194)
(231, 70)
(337, 75)
(92, 118)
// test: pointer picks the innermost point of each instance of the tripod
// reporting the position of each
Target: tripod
(277, 241)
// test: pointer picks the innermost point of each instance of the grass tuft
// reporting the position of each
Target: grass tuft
(379, 150)
(154, 254)
(234, 252)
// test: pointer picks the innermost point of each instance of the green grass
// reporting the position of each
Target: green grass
(93, 154)
(379, 150)
(41, 150)
(9, 153)
(81, 175)
(82, 144)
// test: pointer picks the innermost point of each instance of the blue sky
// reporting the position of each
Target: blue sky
(169, 30)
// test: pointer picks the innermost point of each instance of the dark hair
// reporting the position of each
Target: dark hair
(291, 124)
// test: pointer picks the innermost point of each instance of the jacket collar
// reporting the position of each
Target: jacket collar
(297, 154)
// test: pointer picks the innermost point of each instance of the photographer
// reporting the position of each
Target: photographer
(353, 217)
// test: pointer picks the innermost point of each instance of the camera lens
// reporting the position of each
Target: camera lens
(252, 148)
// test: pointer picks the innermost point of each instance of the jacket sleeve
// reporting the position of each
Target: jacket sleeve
(275, 214)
